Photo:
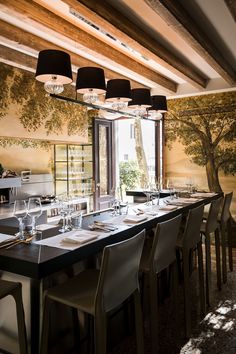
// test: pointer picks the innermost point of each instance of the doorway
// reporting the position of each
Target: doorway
(103, 163)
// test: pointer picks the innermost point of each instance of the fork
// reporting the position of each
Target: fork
(17, 242)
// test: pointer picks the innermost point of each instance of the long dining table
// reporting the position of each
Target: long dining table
(38, 261)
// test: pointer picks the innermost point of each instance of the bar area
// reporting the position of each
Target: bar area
(117, 177)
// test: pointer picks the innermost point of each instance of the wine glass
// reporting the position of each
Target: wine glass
(170, 187)
(64, 211)
(20, 212)
(157, 190)
(147, 191)
(34, 211)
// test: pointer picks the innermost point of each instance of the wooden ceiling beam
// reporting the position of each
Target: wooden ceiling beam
(28, 10)
(231, 4)
(21, 40)
(179, 19)
(115, 23)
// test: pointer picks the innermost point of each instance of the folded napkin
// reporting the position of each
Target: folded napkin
(133, 219)
(79, 237)
(168, 207)
(203, 195)
(6, 238)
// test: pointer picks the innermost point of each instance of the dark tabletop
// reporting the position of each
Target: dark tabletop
(38, 261)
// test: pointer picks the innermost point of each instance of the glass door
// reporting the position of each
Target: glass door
(104, 166)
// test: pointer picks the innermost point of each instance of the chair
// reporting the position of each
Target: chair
(225, 229)
(98, 292)
(191, 240)
(208, 227)
(161, 255)
(14, 289)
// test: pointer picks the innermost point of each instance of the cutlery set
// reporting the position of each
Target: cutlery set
(9, 244)
(98, 225)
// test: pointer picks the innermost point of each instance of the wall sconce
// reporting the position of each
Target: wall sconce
(141, 101)
(118, 92)
(54, 69)
(90, 82)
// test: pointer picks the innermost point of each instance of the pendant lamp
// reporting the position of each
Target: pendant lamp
(90, 82)
(54, 69)
(141, 100)
(118, 92)
(159, 106)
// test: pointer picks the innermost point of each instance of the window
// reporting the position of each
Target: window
(126, 157)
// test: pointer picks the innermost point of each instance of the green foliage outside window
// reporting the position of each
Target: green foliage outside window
(129, 174)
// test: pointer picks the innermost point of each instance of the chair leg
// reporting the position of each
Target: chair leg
(208, 267)
(201, 278)
(45, 325)
(76, 329)
(174, 270)
(22, 337)
(187, 309)
(138, 323)
(153, 313)
(218, 262)
(100, 333)
(230, 253)
(223, 248)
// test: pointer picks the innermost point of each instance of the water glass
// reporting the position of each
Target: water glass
(20, 212)
(76, 221)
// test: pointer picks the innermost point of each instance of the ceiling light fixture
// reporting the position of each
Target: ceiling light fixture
(141, 101)
(119, 93)
(54, 69)
(90, 82)
(159, 106)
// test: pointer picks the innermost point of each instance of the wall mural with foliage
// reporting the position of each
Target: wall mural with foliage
(201, 134)
(31, 121)
(23, 100)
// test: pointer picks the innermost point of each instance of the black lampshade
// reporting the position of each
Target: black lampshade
(56, 64)
(118, 89)
(158, 104)
(90, 78)
(140, 97)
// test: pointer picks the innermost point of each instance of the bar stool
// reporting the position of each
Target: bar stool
(208, 227)
(161, 255)
(98, 292)
(14, 289)
(226, 232)
(191, 240)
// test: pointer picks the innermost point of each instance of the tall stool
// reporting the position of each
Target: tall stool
(191, 240)
(161, 255)
(15, 289)
(208, 227)
(98, 292)
(226, 232)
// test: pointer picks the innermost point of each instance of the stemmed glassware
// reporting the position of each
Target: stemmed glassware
(148, 192)
(65, 210)
(170, 187)
(20, 212)
(34, 211)
(116, 202)
(157, 190)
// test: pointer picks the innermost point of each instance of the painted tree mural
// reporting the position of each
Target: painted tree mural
(206, 126)
(35, 108)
